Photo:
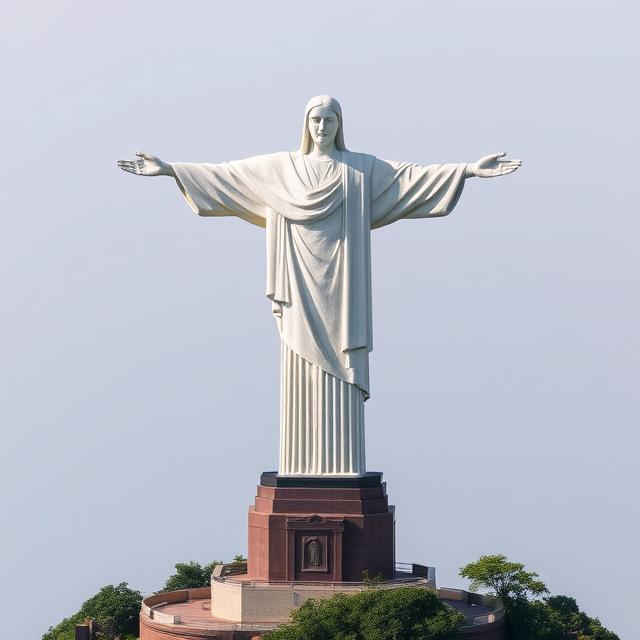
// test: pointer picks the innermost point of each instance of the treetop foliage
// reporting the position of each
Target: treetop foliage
(553, 618)
(115, 608)
(403, 613)
(507, 580)
(190, 575)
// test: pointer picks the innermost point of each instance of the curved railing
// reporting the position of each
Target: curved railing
(151, 603)
(406, 573)
(490, 602)
(414, 575)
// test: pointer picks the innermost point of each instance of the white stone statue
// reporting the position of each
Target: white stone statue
(318, 205)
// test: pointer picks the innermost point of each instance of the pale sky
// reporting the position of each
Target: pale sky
(140, 358)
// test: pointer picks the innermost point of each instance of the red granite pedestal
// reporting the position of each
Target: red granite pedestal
(321, 529)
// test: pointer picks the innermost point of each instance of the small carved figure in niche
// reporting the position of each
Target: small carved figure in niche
(313, 554)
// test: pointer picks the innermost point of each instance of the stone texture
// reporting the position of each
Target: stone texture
(353, 527)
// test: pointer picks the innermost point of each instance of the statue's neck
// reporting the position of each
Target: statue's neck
(332, 153)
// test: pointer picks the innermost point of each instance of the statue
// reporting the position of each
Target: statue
(313, 554)
(318, 205)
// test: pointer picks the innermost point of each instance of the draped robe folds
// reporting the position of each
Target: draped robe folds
(318, 218)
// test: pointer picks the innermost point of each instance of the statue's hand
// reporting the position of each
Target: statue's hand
(148, 165)
(492, 166)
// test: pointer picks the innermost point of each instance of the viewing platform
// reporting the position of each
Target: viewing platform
(262, 606)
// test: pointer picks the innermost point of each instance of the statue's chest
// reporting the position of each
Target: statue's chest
(321, 241)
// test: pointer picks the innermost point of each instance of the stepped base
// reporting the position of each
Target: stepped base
(321, 529)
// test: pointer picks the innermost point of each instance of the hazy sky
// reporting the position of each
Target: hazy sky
(140, 377)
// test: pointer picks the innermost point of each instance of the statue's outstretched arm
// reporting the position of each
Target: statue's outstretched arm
(492, 166)
(147, 165)
(209, 189)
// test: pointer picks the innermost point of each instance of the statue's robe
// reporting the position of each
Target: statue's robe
(318, 215)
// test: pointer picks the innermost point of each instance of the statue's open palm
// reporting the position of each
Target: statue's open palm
(494, 165)
(147, 165)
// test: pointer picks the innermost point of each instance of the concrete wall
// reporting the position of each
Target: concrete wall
(226, 600)
(250, 602)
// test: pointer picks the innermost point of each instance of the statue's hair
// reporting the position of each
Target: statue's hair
(306, 144)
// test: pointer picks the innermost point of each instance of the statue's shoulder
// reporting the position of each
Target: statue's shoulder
(359, 161)
(280, 156)
(362, 157)
(266, 158)
(262, 167)
(280, 159)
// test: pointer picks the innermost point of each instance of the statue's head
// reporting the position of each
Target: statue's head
(322, 124)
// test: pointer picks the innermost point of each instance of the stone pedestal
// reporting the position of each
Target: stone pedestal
(321, 529)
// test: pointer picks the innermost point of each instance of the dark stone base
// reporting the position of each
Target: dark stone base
(274, 479)
(321, 529)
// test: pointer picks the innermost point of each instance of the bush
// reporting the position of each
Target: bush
(190, 575)
(403, 613)
(115, 608)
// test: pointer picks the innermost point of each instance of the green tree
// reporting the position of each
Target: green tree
(553, 618)
(190, 575)
(403, 613)
(507, 580)
(565, 611)
(64, 630)
(575, 622)
(115, 608)
(533, 621)
(598, 632)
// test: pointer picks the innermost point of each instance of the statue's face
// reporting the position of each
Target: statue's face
(323, 125)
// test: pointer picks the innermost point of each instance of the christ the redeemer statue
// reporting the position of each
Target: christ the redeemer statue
(318, 205)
